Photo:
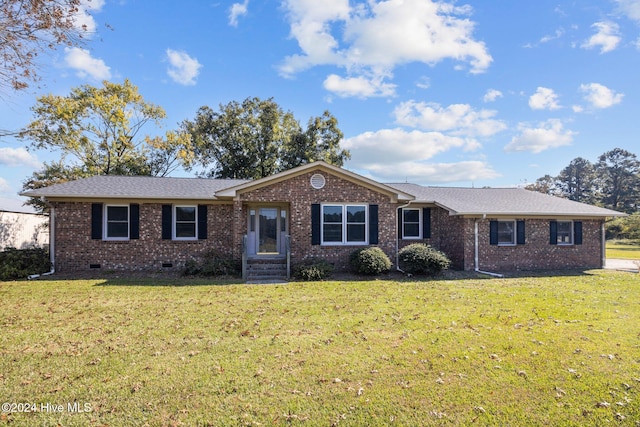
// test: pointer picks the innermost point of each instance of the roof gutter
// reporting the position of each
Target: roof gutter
(476, 257)
(52, 242)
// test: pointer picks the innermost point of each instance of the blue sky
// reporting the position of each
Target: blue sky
(485, 93)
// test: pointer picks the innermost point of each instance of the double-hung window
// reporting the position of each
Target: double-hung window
(506, 233)
(411, 223)
(565, 232)
(185, 226)
(344, 224)
(116, 222)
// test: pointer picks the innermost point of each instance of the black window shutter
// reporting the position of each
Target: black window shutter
(167, 222)
(96, 221)
(553, 233)
(134, 221)
(426, 223)
(373, 224)
(400, 213)
(315, 224)
(520, 235)
(493, 232)
(202, 222)
(577, 232)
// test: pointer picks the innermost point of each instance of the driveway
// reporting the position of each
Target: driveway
(623, 264)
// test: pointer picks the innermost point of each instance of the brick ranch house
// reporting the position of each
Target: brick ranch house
(312, 211)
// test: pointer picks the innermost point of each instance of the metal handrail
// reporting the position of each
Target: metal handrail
(244, 257)
(287, 244)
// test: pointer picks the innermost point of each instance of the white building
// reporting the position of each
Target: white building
(23, 230)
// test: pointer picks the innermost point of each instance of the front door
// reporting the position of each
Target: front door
(267, 230)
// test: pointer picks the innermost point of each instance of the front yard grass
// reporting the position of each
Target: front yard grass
(562, 350)
(623, 249)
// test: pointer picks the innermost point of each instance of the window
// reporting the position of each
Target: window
(116, 225)
(344, 224)
(411, 223)
(506, 232)
(185, 226)
(565, 234)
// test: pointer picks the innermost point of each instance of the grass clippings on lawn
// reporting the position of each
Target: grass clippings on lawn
(520, 351)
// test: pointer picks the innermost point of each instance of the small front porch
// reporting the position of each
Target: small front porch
(266, 248)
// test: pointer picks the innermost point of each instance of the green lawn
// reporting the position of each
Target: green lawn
(623, 249)
(542, 351)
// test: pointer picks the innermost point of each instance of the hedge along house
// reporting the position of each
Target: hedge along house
(315, 211)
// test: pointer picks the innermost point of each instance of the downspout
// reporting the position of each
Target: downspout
(603, 245)
(398, 210)
(476, 257)
(52, 242)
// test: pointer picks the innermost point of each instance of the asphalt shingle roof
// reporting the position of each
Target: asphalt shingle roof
(137, 187)
(459, 201)
(500, 201)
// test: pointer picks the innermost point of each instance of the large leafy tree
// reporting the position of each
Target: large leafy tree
(98, 131)
(256, 138)
(619, 171)
(578, 181)
(29, 28)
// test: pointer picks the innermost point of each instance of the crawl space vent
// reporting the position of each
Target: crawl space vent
(317, 181)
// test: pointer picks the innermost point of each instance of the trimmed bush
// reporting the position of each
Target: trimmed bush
(419, 258)
(212, 264)
(370, 261)
(20, 263)
(313, 270)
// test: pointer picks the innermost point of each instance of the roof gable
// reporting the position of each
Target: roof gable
(392, 192)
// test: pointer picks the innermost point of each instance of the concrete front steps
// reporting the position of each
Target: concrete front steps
(267, 270)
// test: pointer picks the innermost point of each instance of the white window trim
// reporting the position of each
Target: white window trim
(105, 223)
(514, 234)
(419, 236)
(344, 225)
(571, 236)
(175, 221)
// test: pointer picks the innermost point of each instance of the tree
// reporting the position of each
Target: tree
(578, 181)
(29, 28)
(256, 138)
(98, 132)
(546, 185)
(619, 172)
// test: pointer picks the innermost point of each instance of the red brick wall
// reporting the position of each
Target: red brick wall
(536, 253)
(76, 251)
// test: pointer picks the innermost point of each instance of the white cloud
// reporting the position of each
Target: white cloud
(183, 69)
(600, 96)
(4, 186)
(547, 135)
(360, 87)
(433, 173)
(85, 65)
(397, 145)
(458, 119)
(631, 8)
(559, 33)
(83, 20)
(237, 10)
(358, 37)
(606, 37)
(492, 95)
(18, 157)
(544, 99)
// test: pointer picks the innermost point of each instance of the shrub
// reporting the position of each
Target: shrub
(370, 261)
(212, 264)
(20, 263)
(419, 258)
(313, 270)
